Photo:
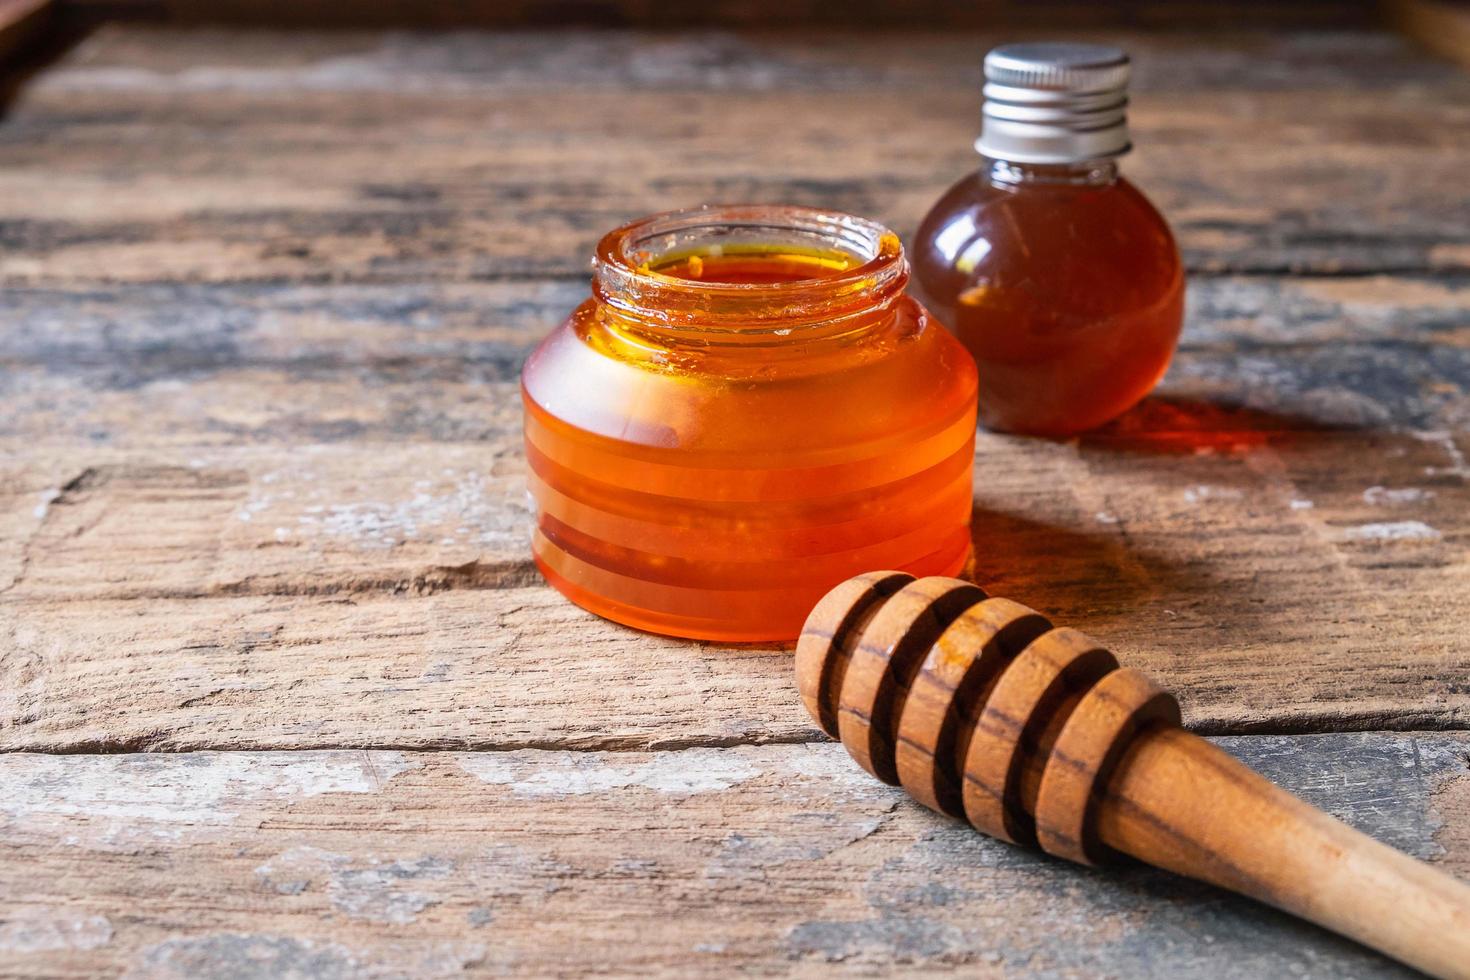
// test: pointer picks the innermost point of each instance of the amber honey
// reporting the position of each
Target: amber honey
(755, 266)
(1066, 286)
(1056, 273)
(747, 411)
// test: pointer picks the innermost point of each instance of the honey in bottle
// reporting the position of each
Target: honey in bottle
(747, 411)
(1056, 273)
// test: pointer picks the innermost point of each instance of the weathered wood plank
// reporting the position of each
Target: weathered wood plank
(259, 447)
(162, 58)
(315, 519)
(360, 518)
(1347, 387)
(126, 336)
(265, 517)
(408, 158)
(368, 517)
(27, 487)
(765, 860)
(148, 366)
(664, 14)
(1250, 578)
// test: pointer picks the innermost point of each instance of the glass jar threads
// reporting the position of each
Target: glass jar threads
(747, 411)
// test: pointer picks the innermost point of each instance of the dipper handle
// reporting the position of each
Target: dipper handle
(1178, 802)
(983, 710)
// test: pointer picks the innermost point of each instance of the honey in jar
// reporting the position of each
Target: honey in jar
(1056, 273)
(747, 411)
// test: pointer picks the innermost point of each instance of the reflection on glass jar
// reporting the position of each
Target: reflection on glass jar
(1057, 274)
(746, 412)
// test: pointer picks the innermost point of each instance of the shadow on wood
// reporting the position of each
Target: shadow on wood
(33, 36)
(1060, 568)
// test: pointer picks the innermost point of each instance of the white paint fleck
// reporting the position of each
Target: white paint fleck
(375, 893)
(1381, 496)
(253, 507)
(165, 795)
(1446, 441)
(555, 773)
(1201, 492)
(1300, 504)
(749, 854)
(372, 890)
(1392, 531)
(48, 497)
(471, 504)
(224, 954)
(291, 872)
(40, 929)
(1106, 517)
(830, 765)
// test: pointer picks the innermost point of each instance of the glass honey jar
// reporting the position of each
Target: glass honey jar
(747, 411)
(1055, 272)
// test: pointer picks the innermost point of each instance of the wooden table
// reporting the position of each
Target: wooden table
(281, 690)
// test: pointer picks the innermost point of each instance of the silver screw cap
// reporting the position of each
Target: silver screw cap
(1055, 103)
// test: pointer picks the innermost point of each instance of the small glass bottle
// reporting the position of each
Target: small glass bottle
(1060, 278)
(748, 411)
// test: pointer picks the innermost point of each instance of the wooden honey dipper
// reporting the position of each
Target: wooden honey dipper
(982, 710)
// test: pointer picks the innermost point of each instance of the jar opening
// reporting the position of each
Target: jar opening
(753, 265)
(748, 268)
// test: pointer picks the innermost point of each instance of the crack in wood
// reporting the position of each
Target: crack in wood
(158, 742)
(472, 575)
(76, 484)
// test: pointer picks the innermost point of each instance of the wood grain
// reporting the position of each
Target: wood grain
(1208, 568)
(1290, 508)
(665, 14)
(1069, 753)
(140, 365)
(779, 860)
(950, 690)
(892, 646)
(265, 299)
(376, 157)
(1179, 802)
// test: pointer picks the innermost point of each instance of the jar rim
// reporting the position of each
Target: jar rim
(624, 279)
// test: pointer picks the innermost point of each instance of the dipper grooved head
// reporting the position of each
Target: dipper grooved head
(978, 706)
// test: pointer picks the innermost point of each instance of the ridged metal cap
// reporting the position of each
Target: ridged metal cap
(1055, 103)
